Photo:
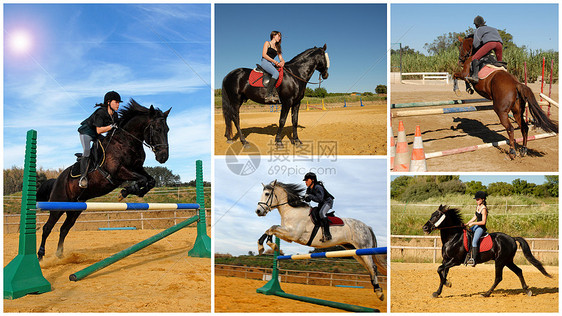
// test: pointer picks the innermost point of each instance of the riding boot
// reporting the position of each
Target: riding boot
(326, 236)
(474, 72)
(83, 182)
(271, 96)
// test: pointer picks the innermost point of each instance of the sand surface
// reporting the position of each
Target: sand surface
(159, 278)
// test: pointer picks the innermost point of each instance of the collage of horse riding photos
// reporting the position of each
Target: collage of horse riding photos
(213, 157)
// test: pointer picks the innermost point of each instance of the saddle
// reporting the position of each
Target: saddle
(334, 221)
(260, 78)
(485, 241)
(97, 159)
(489, 65)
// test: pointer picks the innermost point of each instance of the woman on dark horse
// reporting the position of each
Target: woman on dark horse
(123, 159)
(101, 121)
(236, 89)
(477, 225)
(315, 191)
(502, 249)
(486, 39)
(272, 49)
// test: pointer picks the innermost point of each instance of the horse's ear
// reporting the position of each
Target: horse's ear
(460, 39)
(275, 182)
(151, 110)
(324, 48)
(167, 112)
(263, 185)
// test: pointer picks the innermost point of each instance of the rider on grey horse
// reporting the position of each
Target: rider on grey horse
(317, 192)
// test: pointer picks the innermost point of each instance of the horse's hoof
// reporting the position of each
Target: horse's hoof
(448, 283)
(279, 144)
(297, 142)
(435, 295)
(59, 254)
(229, 141)
(529, 293)
(120, 197)
(523, 152)
(485, 294)
(512, 153)
(379, 294)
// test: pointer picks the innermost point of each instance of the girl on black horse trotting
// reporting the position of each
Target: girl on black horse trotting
(270, 50)
(102, 120)
(316, 192)
(478, 223)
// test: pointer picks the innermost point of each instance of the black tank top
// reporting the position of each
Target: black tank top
(271, 52)
(479, 219)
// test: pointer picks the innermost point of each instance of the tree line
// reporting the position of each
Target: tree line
(13, 178)
(420, 188)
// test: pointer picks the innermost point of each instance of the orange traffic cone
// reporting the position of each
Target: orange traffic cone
(392, 148)
(402, 162)
(418, 163)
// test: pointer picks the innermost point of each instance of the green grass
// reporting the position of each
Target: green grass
(527, 220)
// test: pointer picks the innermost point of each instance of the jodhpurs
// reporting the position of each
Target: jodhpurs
(497, 47)
(270, 68)
(478, 232)
(86, 140)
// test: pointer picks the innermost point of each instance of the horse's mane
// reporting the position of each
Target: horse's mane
(133, 109)
(294, 193)
(453, 213)
(302, 55)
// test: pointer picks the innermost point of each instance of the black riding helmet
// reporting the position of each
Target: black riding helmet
(310, 175)
(111, 95)
(479, 21)
(480, 195)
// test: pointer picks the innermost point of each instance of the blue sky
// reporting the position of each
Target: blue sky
(359, 187)
(156, 54)
(532, 25)
(355, 36)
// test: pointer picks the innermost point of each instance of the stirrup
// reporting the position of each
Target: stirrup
(83, 182)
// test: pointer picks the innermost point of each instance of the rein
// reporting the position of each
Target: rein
(152, 147)
(304, 80)
(270, 200)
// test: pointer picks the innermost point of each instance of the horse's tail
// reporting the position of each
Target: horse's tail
(379, 260)
(541, 119)
(44, 190)
(529, 256)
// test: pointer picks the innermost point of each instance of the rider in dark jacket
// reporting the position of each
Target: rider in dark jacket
(317, 192)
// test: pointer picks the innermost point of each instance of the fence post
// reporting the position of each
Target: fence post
(202, 246)
(273, 286)
(23, 274)
(434, 250)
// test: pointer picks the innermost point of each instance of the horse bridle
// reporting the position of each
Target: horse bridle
(268, 207)
(304, 80)
(440, 220)
(147, 143)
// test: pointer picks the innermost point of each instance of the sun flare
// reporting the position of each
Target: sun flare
(20, 42)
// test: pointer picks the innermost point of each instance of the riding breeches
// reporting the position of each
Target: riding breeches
(86, 140)
(497, 47)
(478, 232)
(325, 208)
(270, 68)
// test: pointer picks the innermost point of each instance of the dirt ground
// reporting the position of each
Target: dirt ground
(237, 295)
(159, 278)
(413, 284)
(358, 130)
(450, 131)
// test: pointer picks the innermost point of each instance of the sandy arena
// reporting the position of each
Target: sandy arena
(357, 130)
(237, 295)
(451, 131)
(159, 278)
(413, 284)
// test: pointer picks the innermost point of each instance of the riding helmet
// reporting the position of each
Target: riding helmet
(480, 195)
(112, 95)
(310, 175)
(479, 21)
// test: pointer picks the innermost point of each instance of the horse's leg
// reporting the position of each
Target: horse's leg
(368, 263)
(519, 273)
(442, 271)
(260, 243)
(282, 120)
(54, 217)
(498, 279)
(504, 120)
(71, 217)
(518, 115)
(143, 182)
(295, 118)
(236, 120)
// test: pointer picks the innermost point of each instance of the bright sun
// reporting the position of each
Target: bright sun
(20, 42)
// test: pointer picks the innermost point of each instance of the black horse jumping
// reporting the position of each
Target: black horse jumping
(123, 161)
(451, 226)
(236, 89)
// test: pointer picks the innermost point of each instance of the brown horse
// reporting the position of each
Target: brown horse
(507, 94)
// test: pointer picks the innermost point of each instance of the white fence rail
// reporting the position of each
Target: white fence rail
(444, 76)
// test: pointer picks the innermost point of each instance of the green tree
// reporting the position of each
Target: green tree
(500, 188)
(380, 89)
(552, 185)
(320, 92)
(163, 176)
(398, 185)
(522, 187)
(474, 186)
(308, 92)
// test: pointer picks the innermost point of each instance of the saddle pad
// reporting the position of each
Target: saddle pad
(335, 221)
(488, 70)
(75, 170)
(486, 242)
(256, 78)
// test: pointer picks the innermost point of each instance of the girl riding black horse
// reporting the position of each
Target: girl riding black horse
(449, 223)
(236, 89)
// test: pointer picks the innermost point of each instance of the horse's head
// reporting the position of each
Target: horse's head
(465, 49)
(156, 133)
(324, 63)
(268, 199)
(436, 220)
